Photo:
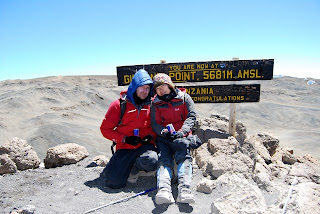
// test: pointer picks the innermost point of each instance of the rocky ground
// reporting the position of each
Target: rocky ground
(55, 110)
(231, 175)
(243, 178)
(76, 189)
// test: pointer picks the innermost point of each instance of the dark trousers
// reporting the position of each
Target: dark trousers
(118, 169)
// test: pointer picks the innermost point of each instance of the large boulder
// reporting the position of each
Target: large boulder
(7, 166)
(257, 143)
(222, 156)
(223, 146)
(217, 126)
(21, 153)
(237, 194)
(235, 163)
(65, 154)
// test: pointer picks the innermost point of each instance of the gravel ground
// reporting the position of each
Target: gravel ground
(77, 188)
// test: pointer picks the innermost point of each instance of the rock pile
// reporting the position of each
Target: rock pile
(17, 155)
(253, 174)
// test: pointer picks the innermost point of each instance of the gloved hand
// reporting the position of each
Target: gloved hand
(194, 141)
(147, 139)
(166, 134)
(133, 140)
(178, 134)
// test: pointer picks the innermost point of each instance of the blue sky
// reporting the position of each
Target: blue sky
(82, 37)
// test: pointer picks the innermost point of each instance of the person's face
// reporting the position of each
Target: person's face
(143, 91)
(163, 89)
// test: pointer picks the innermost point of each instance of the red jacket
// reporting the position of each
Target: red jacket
(180, 112)
(136, 116)
(132, 119)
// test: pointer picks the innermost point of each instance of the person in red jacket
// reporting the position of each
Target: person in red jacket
(172, 106)
(134, 151)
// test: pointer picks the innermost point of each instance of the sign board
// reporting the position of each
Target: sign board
(233, 70)
(224, 93)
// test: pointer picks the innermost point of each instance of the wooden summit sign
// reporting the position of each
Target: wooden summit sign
(224, 93)
(233, 70)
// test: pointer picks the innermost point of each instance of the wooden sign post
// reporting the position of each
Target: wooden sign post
(232, 115)
(233, 70)
(232, 119)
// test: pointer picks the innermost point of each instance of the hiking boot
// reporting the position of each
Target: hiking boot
(164, 196)
(147, 174)
(185, 196)
(132, 179)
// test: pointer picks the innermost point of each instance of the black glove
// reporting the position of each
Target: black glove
(147, 139)
(166, 134)
(178, 134)
(133, 140)
(195, 141)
